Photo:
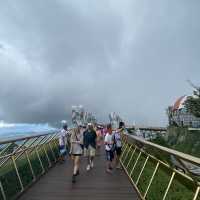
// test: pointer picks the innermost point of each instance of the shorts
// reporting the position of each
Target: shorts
(90, 151)
(76, 154)
(109, 155)
(118, 151)
(62, 150)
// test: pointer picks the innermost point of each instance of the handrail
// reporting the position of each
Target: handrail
(147, 128)
(178, 154)
(138, 158)
(25, 137)
(24, 160)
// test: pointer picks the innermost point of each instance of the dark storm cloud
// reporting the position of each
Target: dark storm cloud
(132, 57)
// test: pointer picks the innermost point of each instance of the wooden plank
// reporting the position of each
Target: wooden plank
(95, 184)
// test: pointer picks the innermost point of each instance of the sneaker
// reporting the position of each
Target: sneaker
(109, 171)
(74, 179)
(92, 164)
(77, 173)
(118, 167)
(110, 168)
(88, 168)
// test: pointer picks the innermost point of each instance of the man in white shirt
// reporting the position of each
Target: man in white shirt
(109, 147)
(64, 133)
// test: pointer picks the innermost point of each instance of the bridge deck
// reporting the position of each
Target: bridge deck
(95, 184)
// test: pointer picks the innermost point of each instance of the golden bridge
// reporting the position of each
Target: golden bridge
(29, 170)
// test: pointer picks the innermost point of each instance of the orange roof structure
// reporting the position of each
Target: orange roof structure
(179, 103)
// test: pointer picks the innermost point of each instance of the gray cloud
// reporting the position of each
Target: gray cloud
(132, 57)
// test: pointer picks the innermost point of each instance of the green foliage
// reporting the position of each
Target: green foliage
(181, 139)
(161, 141)
(181, 188)
(8, 175)
(9, 181)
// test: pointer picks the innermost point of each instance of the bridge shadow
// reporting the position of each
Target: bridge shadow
(95, 184)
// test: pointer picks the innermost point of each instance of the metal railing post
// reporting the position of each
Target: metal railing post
(52, 151)
(28, 147)
(135, 163)
(22, 149)
(142, 169)
(49, 143)
(127, 153)
(170, 182)
(2, 191)
(196, 193)
(56, 145)
(17, 172)
(151, 179)
(43, 170)
(47, 155)
(131, 158)
(30, 165)
(123, 152)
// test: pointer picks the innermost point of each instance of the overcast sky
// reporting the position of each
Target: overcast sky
(132, 57)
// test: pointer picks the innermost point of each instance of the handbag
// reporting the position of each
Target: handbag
(82, 146)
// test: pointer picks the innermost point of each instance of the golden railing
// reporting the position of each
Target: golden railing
(24, 160)
(157, 173)
(160, 173)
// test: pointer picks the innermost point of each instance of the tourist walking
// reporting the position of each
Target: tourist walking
(118, 144)
(109, 147)
(90, 145)
(99, 139)
(63, 145)
(76, 151)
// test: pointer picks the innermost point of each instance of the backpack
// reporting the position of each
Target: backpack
(115, 141)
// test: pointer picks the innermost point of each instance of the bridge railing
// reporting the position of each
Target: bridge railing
(160, 173)
(24, 160)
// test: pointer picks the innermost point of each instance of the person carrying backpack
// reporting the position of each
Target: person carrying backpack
(63, 146)
(89, 138)
(109, 147)
(118, 144)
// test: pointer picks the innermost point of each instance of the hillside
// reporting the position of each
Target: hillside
(181, 139)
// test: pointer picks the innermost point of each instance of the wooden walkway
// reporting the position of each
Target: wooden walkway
(93, 185)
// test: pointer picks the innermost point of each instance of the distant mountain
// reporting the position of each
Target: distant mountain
(8, 130)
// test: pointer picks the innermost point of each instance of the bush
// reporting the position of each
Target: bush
(8, 175)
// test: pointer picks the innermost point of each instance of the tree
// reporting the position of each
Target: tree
(193, 102)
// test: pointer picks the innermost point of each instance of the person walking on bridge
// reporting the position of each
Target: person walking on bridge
(99, 139)
(90, 145)
(76, 151)
(110, 148)
(63, 143)
(118, 144)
